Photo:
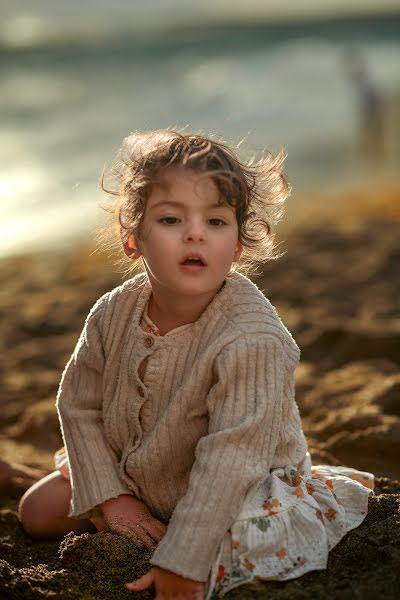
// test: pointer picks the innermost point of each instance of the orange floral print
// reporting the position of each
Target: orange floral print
(316, 474)
(293, 476)
(319, 516)
(369, 483)
(310, 487)
(330, 514)
(296, 480)
(299, 492)
(270, 505)
(299, 562)
(365, 481)
(281, 553)
(248, 564)
(221, 573)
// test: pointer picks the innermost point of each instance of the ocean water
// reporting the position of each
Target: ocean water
(66, 109)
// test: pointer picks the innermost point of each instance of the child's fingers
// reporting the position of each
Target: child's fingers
(141, 584)
(141, 537)
(162, 527)
(156, 529)
(138, 533)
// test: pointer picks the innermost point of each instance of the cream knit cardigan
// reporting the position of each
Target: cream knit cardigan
(189, 422)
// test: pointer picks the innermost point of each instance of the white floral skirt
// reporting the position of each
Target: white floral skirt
(290, 524)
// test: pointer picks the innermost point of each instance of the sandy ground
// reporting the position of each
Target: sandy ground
(336, 288)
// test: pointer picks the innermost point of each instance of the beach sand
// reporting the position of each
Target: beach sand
(337, 290)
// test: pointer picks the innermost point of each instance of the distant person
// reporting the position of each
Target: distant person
(371, 108)
(177, 406)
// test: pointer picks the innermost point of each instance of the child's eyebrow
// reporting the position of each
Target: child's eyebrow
(175, 204)
(166, 203)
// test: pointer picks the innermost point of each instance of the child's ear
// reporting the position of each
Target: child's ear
(130, 247)
(238, 252)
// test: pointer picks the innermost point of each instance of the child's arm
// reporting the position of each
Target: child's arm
(93, 463)
(245, 412)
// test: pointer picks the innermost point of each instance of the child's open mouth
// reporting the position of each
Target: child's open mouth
(193, 263)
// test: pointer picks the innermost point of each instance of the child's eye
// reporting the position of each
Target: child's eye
(216, 222)
(169, 220)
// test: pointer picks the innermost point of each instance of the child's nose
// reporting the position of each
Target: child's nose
(194, 232)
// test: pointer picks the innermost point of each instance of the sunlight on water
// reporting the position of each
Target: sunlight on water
(51, 227)
(20, 187)
(23, 29)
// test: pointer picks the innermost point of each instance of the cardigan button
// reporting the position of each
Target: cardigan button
(148, 341)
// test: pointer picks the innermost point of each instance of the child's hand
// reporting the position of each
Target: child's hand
(131, 518)
(168, 585)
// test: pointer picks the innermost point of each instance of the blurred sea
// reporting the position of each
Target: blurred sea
(65, 110)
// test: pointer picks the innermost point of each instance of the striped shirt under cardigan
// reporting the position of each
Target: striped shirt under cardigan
(189, 422)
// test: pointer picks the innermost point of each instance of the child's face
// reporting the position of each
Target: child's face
(187, 239)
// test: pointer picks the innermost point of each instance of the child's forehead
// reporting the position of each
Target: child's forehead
(181, 186)
(168, 176)
(175, 178)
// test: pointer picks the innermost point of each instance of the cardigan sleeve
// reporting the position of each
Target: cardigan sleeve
(245, 407)
(93, 463)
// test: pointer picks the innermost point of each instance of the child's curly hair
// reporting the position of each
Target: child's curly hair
(257, 191)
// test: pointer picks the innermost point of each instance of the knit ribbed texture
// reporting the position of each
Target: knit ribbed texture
(188, 422)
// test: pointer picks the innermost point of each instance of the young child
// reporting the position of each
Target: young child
(177, 406)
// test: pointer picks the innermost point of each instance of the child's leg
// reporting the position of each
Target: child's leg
(44, 507)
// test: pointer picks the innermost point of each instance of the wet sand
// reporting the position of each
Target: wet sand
(336, 288)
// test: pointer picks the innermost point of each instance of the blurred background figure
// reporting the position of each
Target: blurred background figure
(371, 106)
